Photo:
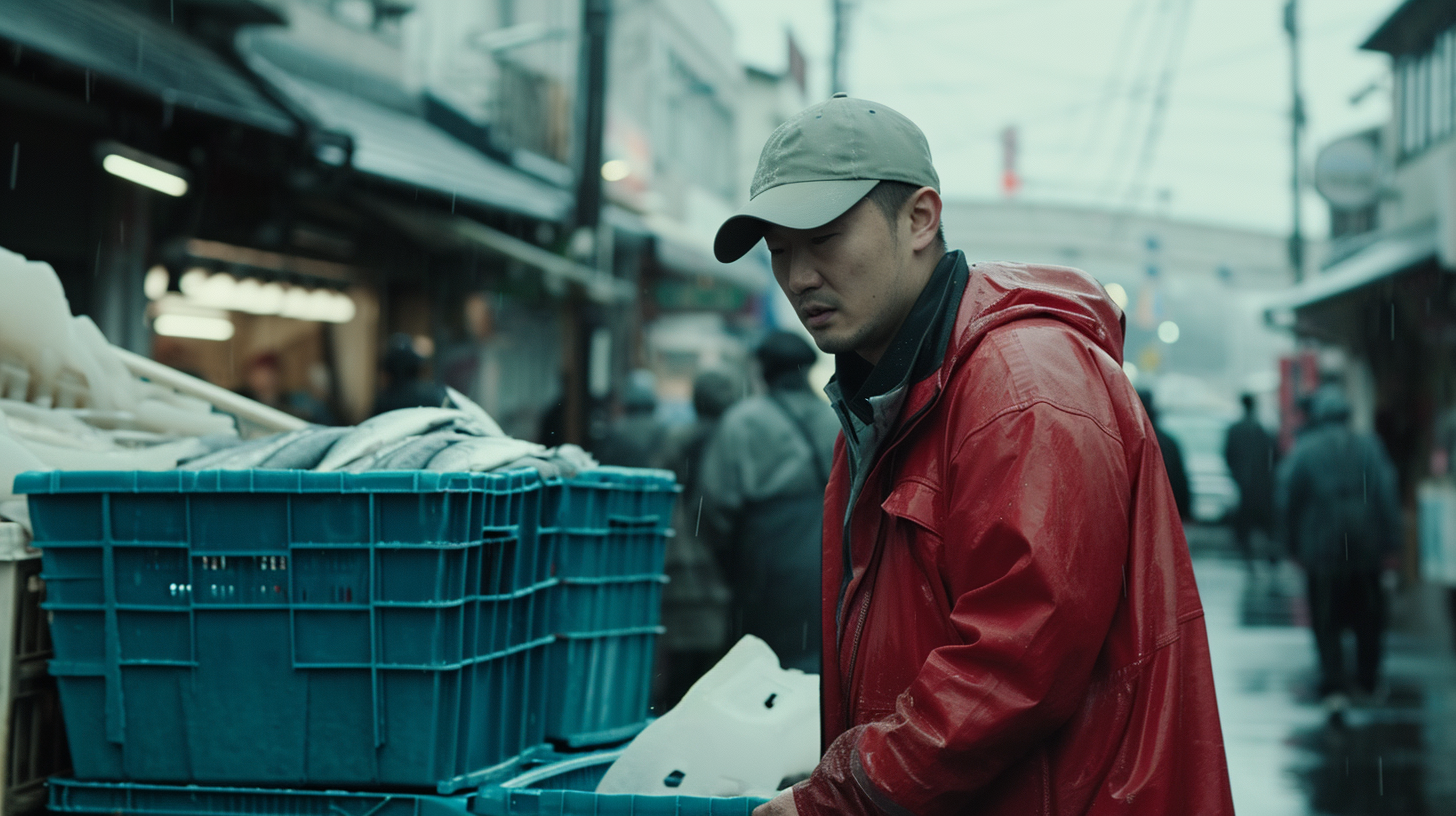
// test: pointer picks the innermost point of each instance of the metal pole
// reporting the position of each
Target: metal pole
(1296, 130)
(591, 112)
(590, 123)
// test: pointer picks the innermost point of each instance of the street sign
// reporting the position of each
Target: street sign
(1347, 171)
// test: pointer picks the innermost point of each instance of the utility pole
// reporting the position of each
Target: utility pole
(1296, 130)
(841, 37)
(591, 112)
(591, 103)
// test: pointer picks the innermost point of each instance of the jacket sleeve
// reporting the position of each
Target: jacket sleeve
(1035, 520)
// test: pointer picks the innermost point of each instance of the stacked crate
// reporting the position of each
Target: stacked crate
(608, 538)
(33, 746)
(283, 632)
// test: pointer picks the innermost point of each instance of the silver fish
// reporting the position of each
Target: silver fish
(482, 454)
(375, 433)
(247, 455)
(373, 460)
(306, 451)
(473, 410)
(418, 453)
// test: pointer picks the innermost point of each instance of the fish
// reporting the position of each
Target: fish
(306, 451)
(255, 456)
(482, 454)
(573, 458)
(418, 453)
(548, 468)
(472, 409)
(376, 432)
(373, 460)
(228, 458)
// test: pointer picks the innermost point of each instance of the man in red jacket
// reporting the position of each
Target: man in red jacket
(1010, 621)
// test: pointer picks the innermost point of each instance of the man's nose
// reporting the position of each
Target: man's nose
(803, 275)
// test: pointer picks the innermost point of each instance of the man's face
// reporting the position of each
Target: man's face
(850, 281)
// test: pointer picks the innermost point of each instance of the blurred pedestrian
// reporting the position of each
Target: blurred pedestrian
(763, 480)
(404, 387)
(1340, 516)
(1010, 620)
(635, 439)
(1172, 458)
(1250, 452)
(263, 381)
(695, 600)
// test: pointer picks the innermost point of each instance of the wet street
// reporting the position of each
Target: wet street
(1287, 756)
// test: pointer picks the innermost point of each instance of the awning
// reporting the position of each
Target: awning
(685, 253)
(145, 53)
(1380, 259)
(448, 229)
(400, 147)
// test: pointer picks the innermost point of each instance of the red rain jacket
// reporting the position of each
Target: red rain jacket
(1022, 633)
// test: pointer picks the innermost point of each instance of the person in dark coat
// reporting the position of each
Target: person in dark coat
(763, 480)
(1250, 453)
(1340, 516)
(403, 386)
(1172, 458)
(636, 438)
(695, 600)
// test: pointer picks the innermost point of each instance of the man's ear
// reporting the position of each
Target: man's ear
(924, 210)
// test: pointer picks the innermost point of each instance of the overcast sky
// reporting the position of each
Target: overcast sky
(1081, 81)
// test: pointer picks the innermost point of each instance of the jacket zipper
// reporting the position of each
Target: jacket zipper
(864, 609)
(873, 564)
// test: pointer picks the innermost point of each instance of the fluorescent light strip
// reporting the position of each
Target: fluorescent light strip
(198, 328)
(145, 175)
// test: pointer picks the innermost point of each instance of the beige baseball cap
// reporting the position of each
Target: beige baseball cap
(820, 163)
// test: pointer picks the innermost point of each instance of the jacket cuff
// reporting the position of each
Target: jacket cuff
(839, 784)
(871, 790)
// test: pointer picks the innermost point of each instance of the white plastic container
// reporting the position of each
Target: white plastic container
(739, 731)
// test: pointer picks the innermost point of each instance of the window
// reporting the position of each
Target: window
(1426, 95)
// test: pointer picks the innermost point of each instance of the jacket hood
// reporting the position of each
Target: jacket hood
(1329, 406)
(999, 293)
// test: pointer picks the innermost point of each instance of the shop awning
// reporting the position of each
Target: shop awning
(1380, 259)
(401, 147)
(147, 54)
(690, 255)
(448, 229)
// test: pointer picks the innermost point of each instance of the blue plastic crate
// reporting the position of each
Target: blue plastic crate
(132, 799)
(566, 788)
(617, 549)
(600, 498)
(605, 604)
(600, 684)
(276, 627)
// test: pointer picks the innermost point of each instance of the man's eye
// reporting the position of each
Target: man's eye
(820, 239)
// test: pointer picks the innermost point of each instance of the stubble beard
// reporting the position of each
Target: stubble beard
(842, 343)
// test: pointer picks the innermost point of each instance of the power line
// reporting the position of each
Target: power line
(1160, 103)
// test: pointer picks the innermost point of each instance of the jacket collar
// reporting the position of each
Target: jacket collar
(916, 352)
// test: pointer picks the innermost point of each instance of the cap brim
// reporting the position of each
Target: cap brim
(803, 205)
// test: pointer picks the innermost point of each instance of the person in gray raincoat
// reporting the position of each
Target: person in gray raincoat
(762, 483)
(1340, 516)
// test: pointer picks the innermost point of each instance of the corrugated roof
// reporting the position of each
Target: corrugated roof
(142, 52)
(395, 145)
(1412, 28)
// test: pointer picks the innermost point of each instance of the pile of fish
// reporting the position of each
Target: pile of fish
(460, 439)
(67, 399)
(70, 401)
